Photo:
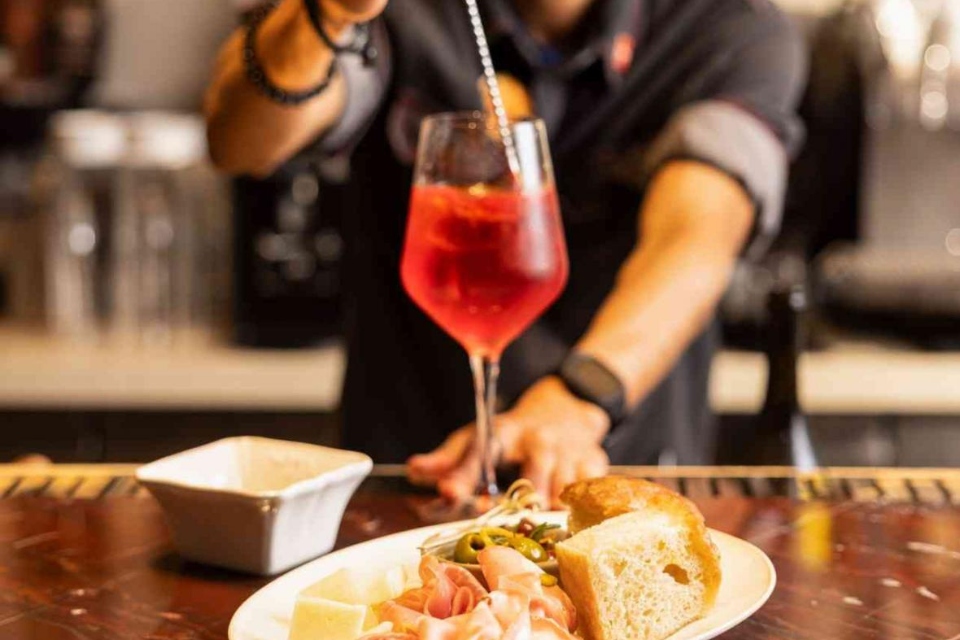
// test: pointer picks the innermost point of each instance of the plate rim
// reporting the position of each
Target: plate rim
(233, 632)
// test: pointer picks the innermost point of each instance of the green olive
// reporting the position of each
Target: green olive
(531, 550)
(469, 546)
(497, 532)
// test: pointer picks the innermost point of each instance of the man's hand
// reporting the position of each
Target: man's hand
(553, 436)
(340, 13)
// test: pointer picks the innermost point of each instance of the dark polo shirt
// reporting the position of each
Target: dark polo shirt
(641, 83)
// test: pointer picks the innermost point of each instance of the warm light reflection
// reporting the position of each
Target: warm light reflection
(953, 242)
(934, 108)
(903, 35)
(937, 58)
(814, 535)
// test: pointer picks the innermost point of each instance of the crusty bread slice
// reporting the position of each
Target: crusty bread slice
(642, 575)
(597, 499)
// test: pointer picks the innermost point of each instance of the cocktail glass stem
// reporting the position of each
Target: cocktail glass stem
(486, 370)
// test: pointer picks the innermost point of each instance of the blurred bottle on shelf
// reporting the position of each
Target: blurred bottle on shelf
(168, 246)
(783, 436)
(780, 434)
(134, 225)
(80, 195)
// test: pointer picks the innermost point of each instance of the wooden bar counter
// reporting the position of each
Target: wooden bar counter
(860, 553)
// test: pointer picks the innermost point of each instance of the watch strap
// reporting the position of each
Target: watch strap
(590, 380)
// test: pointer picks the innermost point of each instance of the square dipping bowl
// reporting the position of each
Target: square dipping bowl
(255, 505)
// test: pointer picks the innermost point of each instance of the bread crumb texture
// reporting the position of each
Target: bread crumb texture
(642, 575)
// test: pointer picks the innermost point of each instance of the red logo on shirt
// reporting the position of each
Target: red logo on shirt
(621, 53)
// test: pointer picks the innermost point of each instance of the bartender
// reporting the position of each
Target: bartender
(671, 124)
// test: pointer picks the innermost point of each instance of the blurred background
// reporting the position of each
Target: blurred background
(148, 304)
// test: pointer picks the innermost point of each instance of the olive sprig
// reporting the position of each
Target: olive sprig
(541, 530)
(521, 497)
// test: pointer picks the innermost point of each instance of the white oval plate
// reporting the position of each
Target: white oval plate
(748, 580)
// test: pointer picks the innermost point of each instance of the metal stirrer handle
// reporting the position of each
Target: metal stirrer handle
(493, 87)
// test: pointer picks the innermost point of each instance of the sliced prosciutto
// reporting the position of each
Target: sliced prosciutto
(503, 562)
(403, 619)
(545, 629)
(479, 624)
(448, 590)
(453, 605)
(508, 570)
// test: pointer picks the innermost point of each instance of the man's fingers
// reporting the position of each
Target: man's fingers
(564, 474)
(428, 468)
(461, 482)
(507, 446)
(539, 470)
(593, 466)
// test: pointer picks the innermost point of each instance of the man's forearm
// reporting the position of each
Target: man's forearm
(248, 132)
(695, 222)
(663, 299)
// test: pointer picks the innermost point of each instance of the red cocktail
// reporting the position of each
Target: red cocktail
(485, 253)
(484, 263)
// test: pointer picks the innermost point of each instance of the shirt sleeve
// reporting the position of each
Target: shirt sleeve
(746, 124)
(366, 88)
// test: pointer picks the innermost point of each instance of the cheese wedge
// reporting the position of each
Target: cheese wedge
(340, 607)
(321, 618)
(353, 586)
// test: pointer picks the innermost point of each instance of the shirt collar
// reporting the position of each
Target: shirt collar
(613, 40)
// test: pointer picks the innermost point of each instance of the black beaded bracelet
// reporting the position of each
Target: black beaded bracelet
(258, 76)
(362, 44)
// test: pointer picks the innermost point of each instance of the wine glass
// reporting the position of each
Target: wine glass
(485, 253)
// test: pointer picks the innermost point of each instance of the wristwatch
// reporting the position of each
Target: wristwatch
(589, 379)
